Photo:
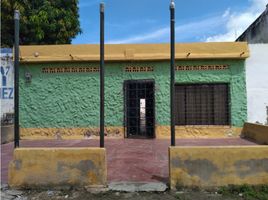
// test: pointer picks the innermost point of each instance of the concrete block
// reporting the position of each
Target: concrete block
(137, 187)
(256, 132)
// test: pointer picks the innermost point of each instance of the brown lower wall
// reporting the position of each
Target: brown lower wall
(256, 132)
(118, 132)
(50, 167)
(217, 166)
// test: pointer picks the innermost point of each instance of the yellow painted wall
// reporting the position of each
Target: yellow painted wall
(161, 132)
(70, 133)
(218, 166)
(49, 167)
(199, 131)
(256, 132)
(131, 52)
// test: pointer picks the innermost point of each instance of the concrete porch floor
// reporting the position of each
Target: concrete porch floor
(129, 160)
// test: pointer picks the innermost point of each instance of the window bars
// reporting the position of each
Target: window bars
(202, 104)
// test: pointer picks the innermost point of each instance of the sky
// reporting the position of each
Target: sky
(147, 21)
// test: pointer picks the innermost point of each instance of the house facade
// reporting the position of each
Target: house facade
(59, 90)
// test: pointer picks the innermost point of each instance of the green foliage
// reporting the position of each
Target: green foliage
(247, 192)
(41, 21)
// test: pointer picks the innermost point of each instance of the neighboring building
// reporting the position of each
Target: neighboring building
(7, 86)
(257, 32)
(257, 83)
(59, 90)
(256, 67)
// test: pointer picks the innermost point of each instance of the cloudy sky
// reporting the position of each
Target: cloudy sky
(147, 21)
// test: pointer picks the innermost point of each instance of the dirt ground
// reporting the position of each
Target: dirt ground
(224, 193)
(78, 195)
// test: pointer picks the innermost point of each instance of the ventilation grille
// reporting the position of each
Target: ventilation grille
(201, 67)
(139, 69)
(52, 70)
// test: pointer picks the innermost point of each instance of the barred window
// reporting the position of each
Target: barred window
(202, 104)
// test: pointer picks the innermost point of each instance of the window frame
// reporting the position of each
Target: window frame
(228, 109)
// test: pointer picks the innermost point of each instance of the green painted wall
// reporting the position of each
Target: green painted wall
(72, 99)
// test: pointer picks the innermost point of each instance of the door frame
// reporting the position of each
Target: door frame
(125, 106)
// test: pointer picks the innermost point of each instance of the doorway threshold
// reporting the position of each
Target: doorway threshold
(137, 186)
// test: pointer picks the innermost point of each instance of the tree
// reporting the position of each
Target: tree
(41, 21)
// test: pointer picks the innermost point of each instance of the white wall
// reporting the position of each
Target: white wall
(6, 83)
(257, 82)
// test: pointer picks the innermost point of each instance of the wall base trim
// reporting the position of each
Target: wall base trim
(161, 132)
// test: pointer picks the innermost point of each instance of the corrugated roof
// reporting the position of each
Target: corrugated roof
(133, 52)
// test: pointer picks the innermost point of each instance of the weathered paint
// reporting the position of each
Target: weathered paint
(217, 166)
(161, 132)
(256, 132)
(70, 133)
(71, 100)
(199, 131)
(49, 167)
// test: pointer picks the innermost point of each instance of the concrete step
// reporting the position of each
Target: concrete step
(138, 186)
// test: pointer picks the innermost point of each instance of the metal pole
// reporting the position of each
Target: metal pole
(172, 71)
(16, 79)
(102, 75)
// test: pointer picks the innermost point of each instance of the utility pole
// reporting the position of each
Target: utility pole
(102, 75)
(172, 71)
(16, 78)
